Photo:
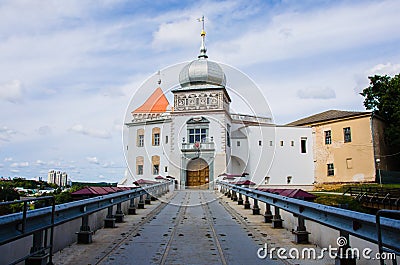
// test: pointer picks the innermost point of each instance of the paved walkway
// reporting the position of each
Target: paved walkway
(193, 228)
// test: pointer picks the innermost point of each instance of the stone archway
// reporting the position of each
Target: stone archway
(197, 174)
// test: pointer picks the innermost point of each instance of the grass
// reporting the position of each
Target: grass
(341, 201)
(344, 187)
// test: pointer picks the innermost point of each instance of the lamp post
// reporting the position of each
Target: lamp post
(378, 161)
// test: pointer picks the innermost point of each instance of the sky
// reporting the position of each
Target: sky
(70, 68)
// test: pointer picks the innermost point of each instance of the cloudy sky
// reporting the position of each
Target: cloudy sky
(69, 68)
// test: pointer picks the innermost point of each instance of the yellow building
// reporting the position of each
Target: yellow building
(347, 146)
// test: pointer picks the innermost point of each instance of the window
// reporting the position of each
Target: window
(140, 170)
(292, 143)
(228, 135)
(156, 169)
(288, 179)
(166, 139)
(139, 165)
(260, 143)
(270, 143)
(197, 135)
(156, 139)
(281, 143)
(165, 169)
(140, 137)
(331, 169)
(349, 163)
(328, 137)
(303, 145)
(156, 136)
(347, 134)
(155, 161)
(238, 143)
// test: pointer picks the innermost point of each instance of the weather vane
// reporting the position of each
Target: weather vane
(203, 49)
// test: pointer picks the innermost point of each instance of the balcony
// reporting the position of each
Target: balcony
(203, 146)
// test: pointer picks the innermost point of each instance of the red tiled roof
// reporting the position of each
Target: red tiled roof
(291, 193)
(156, 103)
(97, 191)
(245, 182)
(144, 182)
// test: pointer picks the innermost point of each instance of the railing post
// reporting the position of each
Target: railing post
(342, 257)
(301, 234)
(229, 194)
(132, 207)
(119, 215)
(240, 199)
(109, 222)
(147, 200)
(268, 214)
(276, 220)
(141, 202)
(256, 209)
(85, 234)
(234, 196)
(247, 203)
(40, 258)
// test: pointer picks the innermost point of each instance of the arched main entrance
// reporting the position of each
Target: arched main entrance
(197, 174)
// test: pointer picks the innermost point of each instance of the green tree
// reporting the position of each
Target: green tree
(382, 96)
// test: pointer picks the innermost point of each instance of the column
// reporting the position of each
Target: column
(247, 203)
(256, 209)
(276, 219)
(268, 214)
(240, 199)
(301, 234)
(85, 234)
(119, 215)
(109, 222)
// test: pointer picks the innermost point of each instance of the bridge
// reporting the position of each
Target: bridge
(231, 225)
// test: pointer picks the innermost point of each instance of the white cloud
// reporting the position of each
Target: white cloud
(316, 93)
(318, 31)
(79, 128)
(11, 91)
(384, 69)
(6, 134)
(21, 164)
(40, 163)
(14, 171)
(8, 159)
(93, 160)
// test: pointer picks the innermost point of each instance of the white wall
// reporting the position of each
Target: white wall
(275, 161)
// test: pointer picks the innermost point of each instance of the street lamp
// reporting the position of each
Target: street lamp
(378, 161)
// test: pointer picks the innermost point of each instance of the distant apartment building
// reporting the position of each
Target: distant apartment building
(348, 146)
(57, 177)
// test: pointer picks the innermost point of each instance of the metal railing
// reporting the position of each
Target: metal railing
(348, 222)
(19, 225)
(22, 226)
(393, 215)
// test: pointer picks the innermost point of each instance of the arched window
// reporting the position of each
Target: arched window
(140, 137)
(155, 136)
(155, 162)
(139, 165)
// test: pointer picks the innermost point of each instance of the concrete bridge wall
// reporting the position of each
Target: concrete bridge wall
(64, 235)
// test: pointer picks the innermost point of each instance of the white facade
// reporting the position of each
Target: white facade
(200, 140)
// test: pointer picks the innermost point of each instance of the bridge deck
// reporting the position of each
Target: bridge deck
(194, 227)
